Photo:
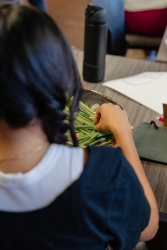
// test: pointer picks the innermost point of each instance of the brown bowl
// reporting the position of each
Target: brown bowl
(92, 97)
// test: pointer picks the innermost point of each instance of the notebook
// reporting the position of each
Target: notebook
(148, 88)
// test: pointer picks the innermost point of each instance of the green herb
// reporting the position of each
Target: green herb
(84, 128)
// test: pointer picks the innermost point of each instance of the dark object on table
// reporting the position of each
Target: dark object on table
(151, 142)
(95, 43)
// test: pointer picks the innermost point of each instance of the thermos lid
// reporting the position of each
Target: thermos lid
(96, 14)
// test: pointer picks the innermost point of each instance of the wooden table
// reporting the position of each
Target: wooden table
(162, 52)
(117, 67)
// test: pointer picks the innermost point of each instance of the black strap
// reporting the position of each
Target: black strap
(155, 125)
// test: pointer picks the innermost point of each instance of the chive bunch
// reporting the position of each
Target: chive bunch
(84, 128)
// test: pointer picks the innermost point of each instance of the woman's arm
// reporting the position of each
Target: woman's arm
(112, 118)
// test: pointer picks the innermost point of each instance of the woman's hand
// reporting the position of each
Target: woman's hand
(110, 117)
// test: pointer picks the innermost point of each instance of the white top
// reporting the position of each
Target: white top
(139, 5)
(58, 169)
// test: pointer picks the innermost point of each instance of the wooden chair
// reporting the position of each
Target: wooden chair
(118, 40)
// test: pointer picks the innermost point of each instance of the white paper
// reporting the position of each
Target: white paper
(148, 88)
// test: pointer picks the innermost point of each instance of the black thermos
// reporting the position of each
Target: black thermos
(95, 43)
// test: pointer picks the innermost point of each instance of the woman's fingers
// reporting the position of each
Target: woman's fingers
(110, 117)
(97, 117)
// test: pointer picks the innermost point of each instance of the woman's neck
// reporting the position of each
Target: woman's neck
(25, 141)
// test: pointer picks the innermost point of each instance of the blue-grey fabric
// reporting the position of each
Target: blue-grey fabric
(151, 142)
(39, 3)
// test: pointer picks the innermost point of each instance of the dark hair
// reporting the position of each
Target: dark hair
(37, 71)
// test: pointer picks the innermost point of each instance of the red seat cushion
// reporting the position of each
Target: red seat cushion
(147, 22)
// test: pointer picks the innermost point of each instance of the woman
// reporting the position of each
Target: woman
(53, 196)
